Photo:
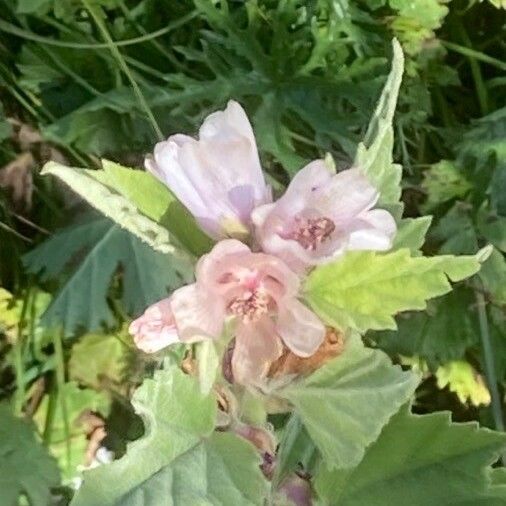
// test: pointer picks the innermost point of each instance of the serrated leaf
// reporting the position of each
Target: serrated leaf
(411, 234)
(147, 275)
(345, 404)
(179, 460)
(153, 199)
(443, 333)
(25, 466)
(364, 289)
(374, 154)
(114, 206)
(421, 461)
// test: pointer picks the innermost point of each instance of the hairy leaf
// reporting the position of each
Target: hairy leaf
(345, 404)
(155, 200)
(114, 206)
(374, 154)
(423, 461)
(179, 460)
(364, 289)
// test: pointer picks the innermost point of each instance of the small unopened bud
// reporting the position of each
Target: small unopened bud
(295, 491)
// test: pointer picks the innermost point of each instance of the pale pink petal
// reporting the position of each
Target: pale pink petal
(218, 178)
(348, 194)
(155, 329)
(301, 330)
(256, 347)
(374, 230)
(261, 213)
(322, 215)
(232, 128)
(197, 315)
(218, 260)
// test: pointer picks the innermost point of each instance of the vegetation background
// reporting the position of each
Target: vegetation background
(82, 80)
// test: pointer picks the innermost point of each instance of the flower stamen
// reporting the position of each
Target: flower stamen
(251, 305)
(312, 232)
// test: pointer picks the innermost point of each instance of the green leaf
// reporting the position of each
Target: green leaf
(295, 448)
(114, 206)
(208, 362)
(96, 357)
(345, 404)
(415, 22)
(411, 234)
(492, 227)
(153, 199)
(421, 461)
(456, 231)
(77, 401)
(462, 379)
(493, 276)
(5, 126)
(364, 289)
(374, 154)
(147, 275)
(443, 333)
(443, 182)
(25, 466)
(179, 460)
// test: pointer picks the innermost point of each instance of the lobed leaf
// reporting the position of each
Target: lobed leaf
(179, 460)
(365, 289)
(345, 404)
(25, 466)
(104, 246)
(421, 461)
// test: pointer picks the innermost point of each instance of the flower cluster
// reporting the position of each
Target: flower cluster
(252, 276)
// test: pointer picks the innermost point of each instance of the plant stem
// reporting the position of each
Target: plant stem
(472, 53)
(479, 83)
(95, 14)
(488, 357)
(60, 382)
(19, 400)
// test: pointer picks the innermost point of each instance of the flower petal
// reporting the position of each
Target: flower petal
(256, 347)
(197, 315)
(155, 329)
(373, 231)
(218, 177)
(301, 330)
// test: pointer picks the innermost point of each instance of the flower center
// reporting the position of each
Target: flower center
(312, 232)
(251, 305)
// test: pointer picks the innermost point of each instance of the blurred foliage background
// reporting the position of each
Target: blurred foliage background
(82, 80)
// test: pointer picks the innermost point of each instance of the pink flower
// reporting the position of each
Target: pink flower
(183, 317)
(257, 291)
(321, 215)
(218, 177)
